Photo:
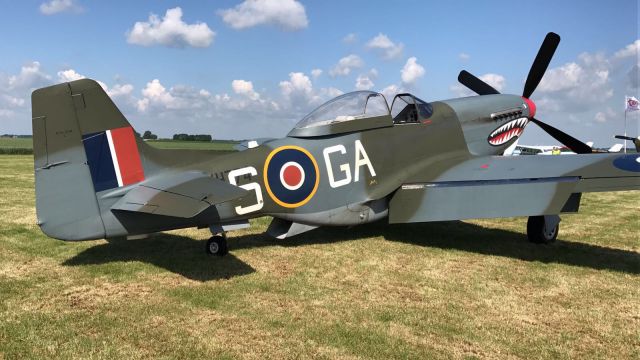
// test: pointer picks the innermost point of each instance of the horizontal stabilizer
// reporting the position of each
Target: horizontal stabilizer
(183, 195)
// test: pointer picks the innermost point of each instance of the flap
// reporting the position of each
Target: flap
(182, 195)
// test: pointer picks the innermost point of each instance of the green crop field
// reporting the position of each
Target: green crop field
(472, 289)
(23, 143)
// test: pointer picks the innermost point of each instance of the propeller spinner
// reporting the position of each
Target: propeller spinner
(538, 68)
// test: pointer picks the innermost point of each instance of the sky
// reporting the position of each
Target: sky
(253, 68)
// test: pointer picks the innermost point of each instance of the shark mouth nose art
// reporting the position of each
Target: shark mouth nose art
(508, 131)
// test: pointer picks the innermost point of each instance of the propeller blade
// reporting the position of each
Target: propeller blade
(567, 140)
(480, 87)
(621, 137)
(540, 64)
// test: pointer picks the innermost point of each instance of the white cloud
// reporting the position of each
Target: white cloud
(411, 71)
(7, 114)
(330, 92)
(156, 93)
(57, 6)
(363, 82)
(288, 14)
(316, 73)
(386, 47)
(245, 88)
(69, 75)
(120, 90)
(170, 31)
(390, 91)
(298, 84)
(630, 50)
(300, 97)
(12, 101)
(565, 77)
(578, 85)
(633, 76)
(350, 38)
(464, 56)
(604, 116)
(345, 65)
(30, 76)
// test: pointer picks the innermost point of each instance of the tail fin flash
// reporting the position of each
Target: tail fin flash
(82, 145)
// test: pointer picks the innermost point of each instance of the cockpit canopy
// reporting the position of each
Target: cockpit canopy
(347, 107)
(408, 109)
(354, 111)
(361, 110)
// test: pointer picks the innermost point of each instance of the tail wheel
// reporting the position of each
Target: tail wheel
(543, 229)
(217, 245)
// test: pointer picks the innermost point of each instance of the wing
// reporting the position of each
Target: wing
(499, 186)
(182, 195)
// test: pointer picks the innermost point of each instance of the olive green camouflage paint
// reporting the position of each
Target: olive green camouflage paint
(442, 168)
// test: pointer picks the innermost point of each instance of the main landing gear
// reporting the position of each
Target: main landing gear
(543, 229)
(217, 245)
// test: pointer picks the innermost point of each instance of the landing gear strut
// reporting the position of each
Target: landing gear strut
(543, 229)
(217, 245)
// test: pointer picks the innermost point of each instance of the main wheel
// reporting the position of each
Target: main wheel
(217, 245)
(538, 233)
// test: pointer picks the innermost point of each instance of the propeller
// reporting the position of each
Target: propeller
(538, 68)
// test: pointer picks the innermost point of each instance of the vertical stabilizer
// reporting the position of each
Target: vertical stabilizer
(82, 145)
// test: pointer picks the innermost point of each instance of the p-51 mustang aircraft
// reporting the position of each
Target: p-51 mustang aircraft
(352, 161)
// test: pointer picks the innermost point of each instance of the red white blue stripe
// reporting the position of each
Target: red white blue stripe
(113, 158)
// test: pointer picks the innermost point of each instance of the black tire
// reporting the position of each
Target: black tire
(536, 231)
(217, 245)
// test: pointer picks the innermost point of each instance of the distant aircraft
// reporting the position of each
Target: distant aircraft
(517, 149)
(615, 148)
(351, 161)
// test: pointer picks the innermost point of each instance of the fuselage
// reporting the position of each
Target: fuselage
(346, 171)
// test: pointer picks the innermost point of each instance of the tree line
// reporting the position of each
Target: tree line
(148, 135)
(187, 137)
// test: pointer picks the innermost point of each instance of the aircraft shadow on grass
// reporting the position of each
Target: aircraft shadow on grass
(458, 235)
(178, 254)
(185, 256)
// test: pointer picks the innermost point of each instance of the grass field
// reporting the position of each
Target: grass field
(472, 289)
(7, 143)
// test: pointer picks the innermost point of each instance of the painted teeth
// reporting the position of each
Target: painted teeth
(508, 131)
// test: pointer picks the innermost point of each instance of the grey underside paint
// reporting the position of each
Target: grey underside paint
(282, 229)
(496, 186)
(469, 200)
(352, 214)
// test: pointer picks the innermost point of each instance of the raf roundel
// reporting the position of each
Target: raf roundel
(291, 176)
